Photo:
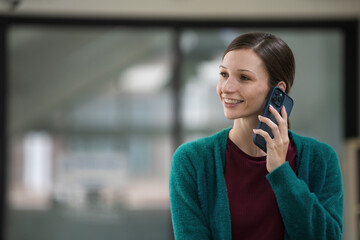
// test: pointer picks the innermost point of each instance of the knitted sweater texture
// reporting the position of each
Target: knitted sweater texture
(310, 203)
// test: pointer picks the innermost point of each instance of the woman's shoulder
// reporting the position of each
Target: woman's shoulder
(308, 145)
(204, 143)
(316, 163)
(199, 154)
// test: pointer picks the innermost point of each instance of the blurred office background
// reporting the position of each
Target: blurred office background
(98, 95)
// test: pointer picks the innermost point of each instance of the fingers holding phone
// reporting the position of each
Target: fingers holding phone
(271, 134)
(277, 145)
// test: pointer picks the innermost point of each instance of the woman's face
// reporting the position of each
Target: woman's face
(243, 84)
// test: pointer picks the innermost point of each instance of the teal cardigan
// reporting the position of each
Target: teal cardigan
(310, 203)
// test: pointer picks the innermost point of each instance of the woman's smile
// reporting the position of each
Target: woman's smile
(231, 103)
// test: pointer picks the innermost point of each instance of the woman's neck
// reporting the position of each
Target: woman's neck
(242, 135)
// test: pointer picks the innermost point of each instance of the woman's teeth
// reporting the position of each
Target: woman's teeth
(232, 101)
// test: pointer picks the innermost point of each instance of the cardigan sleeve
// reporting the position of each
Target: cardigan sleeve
(310, 212)
(188, 219)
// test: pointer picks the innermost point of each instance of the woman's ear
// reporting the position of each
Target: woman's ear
(282, 85)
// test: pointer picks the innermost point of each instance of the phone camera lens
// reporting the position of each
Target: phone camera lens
(277, 98)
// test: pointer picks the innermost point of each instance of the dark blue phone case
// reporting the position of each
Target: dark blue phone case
(277, 98)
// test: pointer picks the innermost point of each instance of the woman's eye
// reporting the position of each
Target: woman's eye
(223, 74)
(243, 77)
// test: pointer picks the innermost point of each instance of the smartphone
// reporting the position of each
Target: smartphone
(277, 98)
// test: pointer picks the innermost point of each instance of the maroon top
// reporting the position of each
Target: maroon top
(253, 208)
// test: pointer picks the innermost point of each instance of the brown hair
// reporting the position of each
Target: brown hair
(276, 55)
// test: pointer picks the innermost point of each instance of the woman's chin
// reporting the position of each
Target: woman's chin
(231, 116)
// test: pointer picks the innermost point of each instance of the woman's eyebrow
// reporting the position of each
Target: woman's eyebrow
(245, 70)
(240, 70)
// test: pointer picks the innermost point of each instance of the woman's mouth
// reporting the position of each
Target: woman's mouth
(229, 102)
(232, 101)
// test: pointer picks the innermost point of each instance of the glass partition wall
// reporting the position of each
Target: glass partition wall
(91, 117)
(90, 114)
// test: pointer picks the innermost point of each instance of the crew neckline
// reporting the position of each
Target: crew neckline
(247, 156)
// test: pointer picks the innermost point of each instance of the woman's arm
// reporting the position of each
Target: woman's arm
(188, 219)
(310, 214)
(313, 212)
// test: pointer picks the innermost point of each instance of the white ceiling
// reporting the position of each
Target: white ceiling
(189, 8)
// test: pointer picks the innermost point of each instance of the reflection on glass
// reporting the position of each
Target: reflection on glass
(202, 112)
(90, 146)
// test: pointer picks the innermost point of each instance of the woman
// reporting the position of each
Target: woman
(225, 187)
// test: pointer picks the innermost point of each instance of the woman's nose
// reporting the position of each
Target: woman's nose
(229, 85)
